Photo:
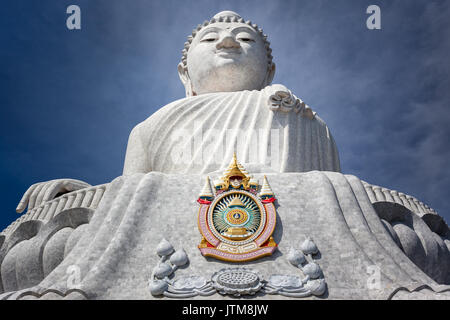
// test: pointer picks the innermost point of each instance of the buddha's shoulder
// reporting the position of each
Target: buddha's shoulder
(187, 104)
(276, 97)
(169, 110)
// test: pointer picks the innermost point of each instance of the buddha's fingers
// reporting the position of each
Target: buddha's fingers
(40, 197)
(45, 191)
(33, 197)
(24, 201)
(73, 185)
(53, 189)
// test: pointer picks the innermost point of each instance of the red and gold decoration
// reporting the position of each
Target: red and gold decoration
(236, 222)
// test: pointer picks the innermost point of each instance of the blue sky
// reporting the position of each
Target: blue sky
(68, 99)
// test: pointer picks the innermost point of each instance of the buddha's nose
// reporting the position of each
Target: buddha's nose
(228, 41)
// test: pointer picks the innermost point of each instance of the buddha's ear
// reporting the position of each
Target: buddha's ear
(184, 77)
(270, 74)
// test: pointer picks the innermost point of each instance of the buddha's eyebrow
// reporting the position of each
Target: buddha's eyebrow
(216, 29)
(208, 30)
(243, 28)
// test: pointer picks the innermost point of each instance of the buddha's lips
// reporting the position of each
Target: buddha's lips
(227, 52)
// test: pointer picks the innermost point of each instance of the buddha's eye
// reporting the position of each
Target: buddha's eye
(210, 37)
(246, 39)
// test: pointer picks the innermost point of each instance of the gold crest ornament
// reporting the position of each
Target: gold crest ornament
(236, 222)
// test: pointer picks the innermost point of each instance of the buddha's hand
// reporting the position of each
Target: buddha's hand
(283, 100)
(41, 192)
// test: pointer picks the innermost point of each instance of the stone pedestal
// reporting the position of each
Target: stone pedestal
(116, 250)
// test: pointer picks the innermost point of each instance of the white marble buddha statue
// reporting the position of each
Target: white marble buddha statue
(227, 70)
(230, 106)
(373, 242)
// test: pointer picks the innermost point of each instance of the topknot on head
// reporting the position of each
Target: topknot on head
(227, 14)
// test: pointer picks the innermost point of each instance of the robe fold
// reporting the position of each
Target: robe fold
(199, 135)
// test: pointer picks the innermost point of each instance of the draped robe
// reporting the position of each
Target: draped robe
(110, 253)
(199, 135)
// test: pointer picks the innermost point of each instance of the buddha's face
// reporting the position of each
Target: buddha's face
(228, 56)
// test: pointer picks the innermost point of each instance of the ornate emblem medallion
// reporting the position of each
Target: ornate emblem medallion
(236, 223)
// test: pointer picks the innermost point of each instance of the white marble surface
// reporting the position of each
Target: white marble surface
(199, 134)
(116, 251)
